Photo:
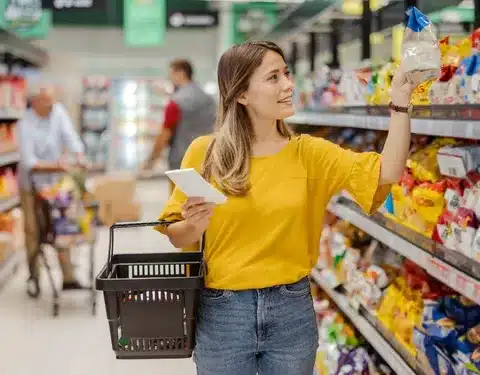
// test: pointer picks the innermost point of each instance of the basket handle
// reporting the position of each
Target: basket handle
(140, 224)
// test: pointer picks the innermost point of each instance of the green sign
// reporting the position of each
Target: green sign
(26, 18)
(251, 19)
(144, 23)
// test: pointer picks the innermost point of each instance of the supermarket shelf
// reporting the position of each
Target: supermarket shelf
(9, 267)
(7, 204)
(452, 268)
(22, 49)
(10, 114)
(439, 127)
(9, 158)
(379, 343)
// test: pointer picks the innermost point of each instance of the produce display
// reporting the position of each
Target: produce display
(436, 326)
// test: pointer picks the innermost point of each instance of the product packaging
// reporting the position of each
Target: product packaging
(458, 161)
(421, 58)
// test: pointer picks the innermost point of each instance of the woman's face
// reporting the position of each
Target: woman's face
(269, 95)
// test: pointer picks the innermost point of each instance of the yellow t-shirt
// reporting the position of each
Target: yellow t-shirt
(271, 236)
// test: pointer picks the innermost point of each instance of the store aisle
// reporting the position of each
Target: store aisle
(75, 342)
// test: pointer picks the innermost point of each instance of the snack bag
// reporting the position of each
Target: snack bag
(422, 93)
(423, 164)
(458, 161)
(466, 85)
(466, 313)
(421, 58)
(476, 246)
(443, 232)
(439, 90)
(465, 226)
(428, 204)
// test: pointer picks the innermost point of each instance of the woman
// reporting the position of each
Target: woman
(256, 313)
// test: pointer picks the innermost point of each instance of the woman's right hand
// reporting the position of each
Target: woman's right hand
(197, 213)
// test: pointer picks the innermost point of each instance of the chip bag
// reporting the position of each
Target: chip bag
(421, 58)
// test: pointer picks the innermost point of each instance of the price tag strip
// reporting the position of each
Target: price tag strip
(442, 271)
(455, 279)
(444, 128)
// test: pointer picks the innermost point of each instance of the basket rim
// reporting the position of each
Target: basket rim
(105, 283)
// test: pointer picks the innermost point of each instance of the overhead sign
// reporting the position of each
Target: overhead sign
(252, 18)
(74, 4)
(144, 22)
(178, 20)
(26, 18)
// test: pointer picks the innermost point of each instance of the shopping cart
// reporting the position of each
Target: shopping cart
(151, 300)
(48, 209)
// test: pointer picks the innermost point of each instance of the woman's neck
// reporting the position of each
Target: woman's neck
(265, 131)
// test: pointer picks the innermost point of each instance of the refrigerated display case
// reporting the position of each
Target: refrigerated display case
(95, 118)
(136, 116)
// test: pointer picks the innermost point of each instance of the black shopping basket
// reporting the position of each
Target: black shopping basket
(151, 300)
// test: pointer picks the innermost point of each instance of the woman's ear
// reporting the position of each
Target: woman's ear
(242, 99)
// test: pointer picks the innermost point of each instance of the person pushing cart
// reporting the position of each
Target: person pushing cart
(45, 132)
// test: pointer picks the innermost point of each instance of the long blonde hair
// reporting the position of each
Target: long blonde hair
(227, 161)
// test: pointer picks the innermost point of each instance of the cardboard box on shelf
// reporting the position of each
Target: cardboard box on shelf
(120, 211)
(115, 194)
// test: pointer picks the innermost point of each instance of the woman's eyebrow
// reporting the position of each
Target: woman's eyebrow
(275, 71)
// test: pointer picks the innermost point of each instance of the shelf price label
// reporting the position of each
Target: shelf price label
(464, 285)
(440, 271)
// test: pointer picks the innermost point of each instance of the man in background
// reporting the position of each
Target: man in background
(44, 133)
(189, 114)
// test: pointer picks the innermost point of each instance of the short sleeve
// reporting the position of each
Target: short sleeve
(341, 169)
(193, 158)
(172, 115)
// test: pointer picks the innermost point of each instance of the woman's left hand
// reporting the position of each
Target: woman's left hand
(401, 89)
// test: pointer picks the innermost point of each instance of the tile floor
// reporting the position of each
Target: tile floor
(76, 342)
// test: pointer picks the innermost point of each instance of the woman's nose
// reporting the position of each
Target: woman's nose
(288, 86)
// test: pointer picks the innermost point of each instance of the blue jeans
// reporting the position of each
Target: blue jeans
(270, 331)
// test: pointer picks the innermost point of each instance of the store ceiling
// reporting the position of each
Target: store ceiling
(308, 13)
(296, 15)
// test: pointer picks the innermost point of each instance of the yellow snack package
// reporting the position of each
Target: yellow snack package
(428, 203)
(423, 163)
(381, 94)
(421, 94)
(454, 54)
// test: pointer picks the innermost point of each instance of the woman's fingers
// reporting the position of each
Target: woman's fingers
(191, 202)
(200, 216)
(190, 211)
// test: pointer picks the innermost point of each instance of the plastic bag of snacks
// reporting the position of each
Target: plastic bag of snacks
(421, 58)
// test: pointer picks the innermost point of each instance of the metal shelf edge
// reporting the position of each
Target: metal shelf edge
(381, 345)
(7, 204)
(9, 158)
(446, 128)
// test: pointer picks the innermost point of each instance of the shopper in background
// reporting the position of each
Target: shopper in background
(44, 133)
(189, 114)
(256, 313)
